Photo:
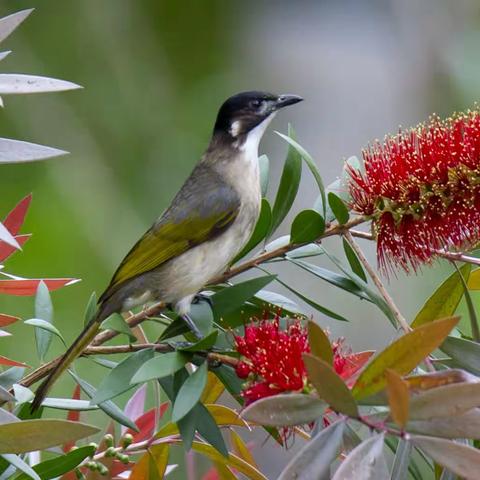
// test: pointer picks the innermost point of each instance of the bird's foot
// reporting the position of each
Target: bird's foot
(191, 325)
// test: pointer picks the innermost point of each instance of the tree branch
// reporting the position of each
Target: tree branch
(156, 308)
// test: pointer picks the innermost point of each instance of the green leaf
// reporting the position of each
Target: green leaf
(230, 298)
(44, 325)
(5, 395)
(260, 231)
(339, 208)
(228, 377)
(401, 460)
(30, 435)
(333, 278)
(110, 408)
(57, 466)
(307, 158)
(465, 425)
(175, 328)
(118, 324)
(22, 394)
(372, 295)
(353, 261)
(188, 426)
(309, 250)
(444, 301)
(365, 462)
(307, 226)
(204, 343)
(403, 355)
(267, 299)
(160, 366)
(464, 352)
(190, 392)
(90, 309)
(329, 386)
(445, 401)
(460, 459)
(118, 380)
(68, 404)
(264, 167)
(313, 304)
(208, 429)
(319, 343)
(285, 410)
(202, 316)
(288, 187)
(11, 376)
(43, 311)
(19, 464)
(314, 459)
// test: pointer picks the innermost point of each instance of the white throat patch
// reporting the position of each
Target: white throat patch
(250, 146)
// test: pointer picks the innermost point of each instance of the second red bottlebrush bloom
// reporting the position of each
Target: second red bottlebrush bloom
(422, 190)
(272, 360)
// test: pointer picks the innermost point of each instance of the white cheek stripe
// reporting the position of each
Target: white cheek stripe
(235, 128)
(250, 146)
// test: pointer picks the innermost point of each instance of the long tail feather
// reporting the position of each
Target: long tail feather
(70, 355)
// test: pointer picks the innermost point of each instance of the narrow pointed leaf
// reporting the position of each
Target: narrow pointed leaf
(353, 260)
(17, 151)
(445, 401)
(403, 355)
(307, 158)
(230, 298)
(285, 410)
(11, 22)
(118, 380)
(241, 448)
(288, 188)
(365, 462)
(27, 287)
(205, 343)
(160, 366)
(465, 353)
(18, 83)
(314, 459)
(43, 311)
(330, 387)
(260, 231)
(401, 460)
(14, 220)
(30, 435)
(91, 309)
(190, 392)
(6, 320)
(444, 301)
(319, 343)
(38, 323)
(7, 250)
(7, 237)
(11, 363)
(307, 226)
(213, 390)
(207, 427)
(117, 323)
(338, 207)
(59, 465)
(460, 459)
(398, 397)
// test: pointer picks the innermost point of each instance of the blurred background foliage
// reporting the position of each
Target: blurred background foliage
(155, 73)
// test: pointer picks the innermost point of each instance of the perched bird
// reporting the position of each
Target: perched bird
(209, 221)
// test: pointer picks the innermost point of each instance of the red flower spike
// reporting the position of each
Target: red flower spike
(272, 359)
(422, 190)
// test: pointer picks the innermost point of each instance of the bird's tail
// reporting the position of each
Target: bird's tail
(85, 337)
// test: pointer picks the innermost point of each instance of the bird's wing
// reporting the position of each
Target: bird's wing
(200, 211)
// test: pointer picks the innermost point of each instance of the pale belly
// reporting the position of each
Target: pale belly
(180, 279)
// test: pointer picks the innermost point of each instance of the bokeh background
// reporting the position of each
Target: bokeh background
(155, 73)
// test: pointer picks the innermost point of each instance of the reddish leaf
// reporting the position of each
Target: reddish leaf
(146, 424)
(14, 220)
(135, 406)
(25, 287)
(354, 362)
(6, 320)
(6, 250)
(11, 363)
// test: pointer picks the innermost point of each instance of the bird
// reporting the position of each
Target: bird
(209, 221)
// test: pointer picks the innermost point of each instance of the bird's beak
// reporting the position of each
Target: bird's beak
(286, 100)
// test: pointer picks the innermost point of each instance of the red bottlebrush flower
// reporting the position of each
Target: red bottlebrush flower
(272, 359)
(422, 190)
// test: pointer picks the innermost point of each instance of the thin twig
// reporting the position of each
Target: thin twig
(156, 308)
(453, 256)
(378, 283)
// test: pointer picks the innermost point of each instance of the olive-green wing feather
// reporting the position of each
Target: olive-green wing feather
(202, 209)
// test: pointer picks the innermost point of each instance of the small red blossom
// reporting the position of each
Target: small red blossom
(422, 189)
(272, 359)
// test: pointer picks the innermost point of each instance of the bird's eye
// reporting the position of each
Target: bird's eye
(256, 103)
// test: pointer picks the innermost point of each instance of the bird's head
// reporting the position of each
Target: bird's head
(244, 112)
